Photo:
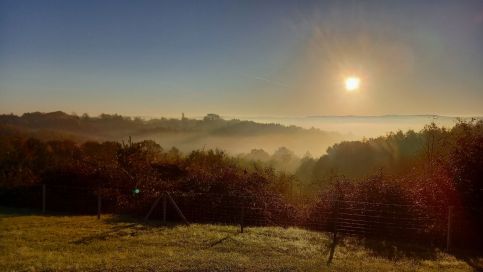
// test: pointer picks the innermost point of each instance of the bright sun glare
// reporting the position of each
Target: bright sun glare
(352, 83)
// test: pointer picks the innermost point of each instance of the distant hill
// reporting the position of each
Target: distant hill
(235, 136)
(367, 126)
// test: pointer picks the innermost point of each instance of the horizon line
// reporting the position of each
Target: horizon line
(235, 116)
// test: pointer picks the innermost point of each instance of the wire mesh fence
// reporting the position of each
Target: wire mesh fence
(380, 220)
(436, 225)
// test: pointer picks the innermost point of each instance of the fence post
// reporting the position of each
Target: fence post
(44, 195)
(449, 230)
(336, 219)
(164, 208)
(242, 217)
(99, 203)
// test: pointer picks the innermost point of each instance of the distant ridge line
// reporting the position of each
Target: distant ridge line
(392, 116)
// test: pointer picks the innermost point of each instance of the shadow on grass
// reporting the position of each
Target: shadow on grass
(472, 258)
(124, 225)
(396, 250)
(114, 232)
(121, 226)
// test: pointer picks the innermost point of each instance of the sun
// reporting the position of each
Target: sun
(352, 83)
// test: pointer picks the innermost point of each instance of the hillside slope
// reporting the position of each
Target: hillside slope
(68, 243)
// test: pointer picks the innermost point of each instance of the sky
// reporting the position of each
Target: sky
(241, 58)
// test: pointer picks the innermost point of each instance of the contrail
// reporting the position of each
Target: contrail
(273, 82)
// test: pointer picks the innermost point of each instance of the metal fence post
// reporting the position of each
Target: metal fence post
(449, 230)
(44, 195)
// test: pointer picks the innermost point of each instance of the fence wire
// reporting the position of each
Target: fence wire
(365, 219)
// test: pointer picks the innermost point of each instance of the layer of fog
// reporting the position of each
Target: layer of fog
(339, 128)
(362, 126)
(234, 145)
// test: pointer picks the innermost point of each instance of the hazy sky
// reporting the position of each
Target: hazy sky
(245, 58)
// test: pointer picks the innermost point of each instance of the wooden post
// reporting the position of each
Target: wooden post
(242, 215)
(332, 248)
(334, 237)
(164, 208)
(44, 195)
(449, 230)
(99, 203)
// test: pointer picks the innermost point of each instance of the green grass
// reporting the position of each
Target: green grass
(31, 242)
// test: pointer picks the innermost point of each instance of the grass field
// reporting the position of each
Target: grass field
(30, 242)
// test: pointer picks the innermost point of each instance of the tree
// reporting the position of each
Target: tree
(212, 117)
